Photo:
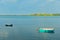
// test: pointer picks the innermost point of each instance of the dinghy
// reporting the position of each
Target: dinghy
(46, 30)
(8, 25)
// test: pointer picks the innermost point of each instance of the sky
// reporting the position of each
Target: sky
(29, 6)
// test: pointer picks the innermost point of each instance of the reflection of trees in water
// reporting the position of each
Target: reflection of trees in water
(48, 36)
(3, 35)
(45, 36)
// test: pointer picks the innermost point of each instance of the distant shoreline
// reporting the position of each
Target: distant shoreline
(34, 15)
(44, 14)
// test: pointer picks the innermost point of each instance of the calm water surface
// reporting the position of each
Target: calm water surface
(25, 27)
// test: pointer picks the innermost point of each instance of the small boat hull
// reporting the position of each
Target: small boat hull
(9, 25)
(46, 30)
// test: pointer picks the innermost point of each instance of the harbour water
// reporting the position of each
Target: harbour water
(25, 27)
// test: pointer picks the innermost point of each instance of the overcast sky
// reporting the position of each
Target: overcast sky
(29, 6)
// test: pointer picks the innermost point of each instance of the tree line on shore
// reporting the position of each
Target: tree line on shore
(44, 14)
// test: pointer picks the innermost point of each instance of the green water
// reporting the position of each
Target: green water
(25, 27)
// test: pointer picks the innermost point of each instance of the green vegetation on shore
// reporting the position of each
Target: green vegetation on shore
(36, 14)
(44, 14)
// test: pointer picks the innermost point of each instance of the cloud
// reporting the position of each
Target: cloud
(8, 1)
(11, 0)
(50, 0)
(35, 0)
